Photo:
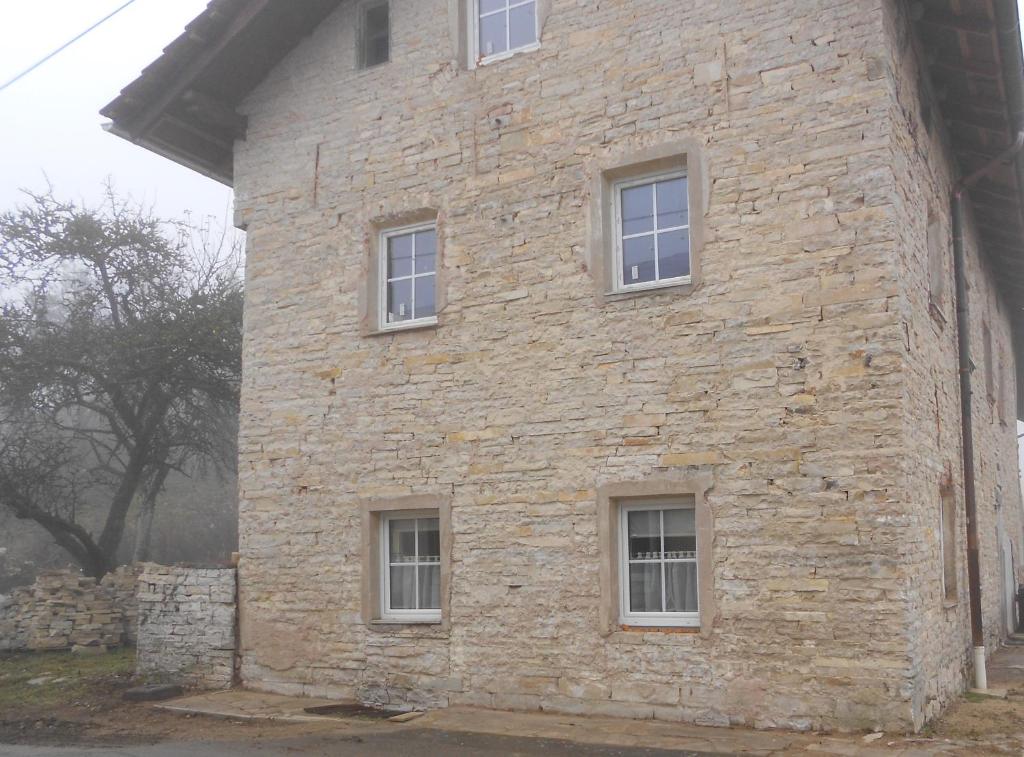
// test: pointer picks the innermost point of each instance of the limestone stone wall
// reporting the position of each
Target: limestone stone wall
(187, 625)
(63, 609)
(940, 628)
(779, 379)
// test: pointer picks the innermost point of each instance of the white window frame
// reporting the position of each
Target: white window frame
(639, 181)
(404, 616)
(382, 263)
(479, 59)
(659, 619)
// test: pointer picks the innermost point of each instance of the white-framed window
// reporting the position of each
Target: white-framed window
(503, 27)
(408, 276)
(411, 567)
(652, 232)
(658, 565)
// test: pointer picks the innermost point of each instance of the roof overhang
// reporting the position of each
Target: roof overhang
(972, 49)
(184, 105)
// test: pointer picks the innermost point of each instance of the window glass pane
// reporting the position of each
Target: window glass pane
(492, 34)
(430, 587)
(375, 35)
(638, 260)
(400, 256)
(399, 301)
(680, 534)
(377, 51)
(426, 251)
(644, 534)
(672, 203)
(489, 6)
(430, 540)
(680, 586)
(425, 306)
(403, 588)
(637, 209)
(674, 254)
(522, 25)
(402, 540)
(645, 587)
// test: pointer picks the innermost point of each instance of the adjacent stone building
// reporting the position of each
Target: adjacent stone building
(601, 355)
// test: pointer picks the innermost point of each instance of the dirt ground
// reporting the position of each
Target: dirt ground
(58, 699)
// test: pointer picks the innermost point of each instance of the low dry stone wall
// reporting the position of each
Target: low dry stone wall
(187, 625)
(64, 609)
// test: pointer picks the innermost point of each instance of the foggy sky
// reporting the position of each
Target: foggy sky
(50, 122)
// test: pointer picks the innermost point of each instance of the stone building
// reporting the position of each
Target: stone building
(602, 355)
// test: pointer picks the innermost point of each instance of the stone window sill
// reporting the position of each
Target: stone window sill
(660, 629)
(630, 294)
(402, 329)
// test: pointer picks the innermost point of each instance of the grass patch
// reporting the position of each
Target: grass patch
(66, 678)
(970, 696)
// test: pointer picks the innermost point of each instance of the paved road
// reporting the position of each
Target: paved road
(422, 741)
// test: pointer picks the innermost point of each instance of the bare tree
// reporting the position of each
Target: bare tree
(120, 352)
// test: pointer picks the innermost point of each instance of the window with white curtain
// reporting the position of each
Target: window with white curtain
(411, 570)
(658, 565)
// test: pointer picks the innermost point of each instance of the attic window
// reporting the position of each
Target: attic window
(375, 35)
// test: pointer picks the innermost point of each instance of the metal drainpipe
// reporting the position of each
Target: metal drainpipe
(963, 340)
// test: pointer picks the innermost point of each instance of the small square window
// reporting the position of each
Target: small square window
(652, 232)
(408, 276)
(503, 27)
(374, 35)
(411, 567)
(658, 565)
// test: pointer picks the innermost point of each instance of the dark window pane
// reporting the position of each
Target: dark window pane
(680, 587)
(402, 540)
(375, 35)
(674, 254)
(522, 26)
(492, 34)
(425, 296)
(426, 251)
(637, 210)
(680, 534)
(400, 256)
(672, 203)
(638, 260)
(430, 587)
(645, 587)
(644, 527)
(399, 301)
(378, 50)
(430, 539)
(403, 587)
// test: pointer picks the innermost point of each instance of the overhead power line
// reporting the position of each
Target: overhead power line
(64, 47)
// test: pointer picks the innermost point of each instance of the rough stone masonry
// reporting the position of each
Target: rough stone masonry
(187, 620)
(803, 386)
(64, 609)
